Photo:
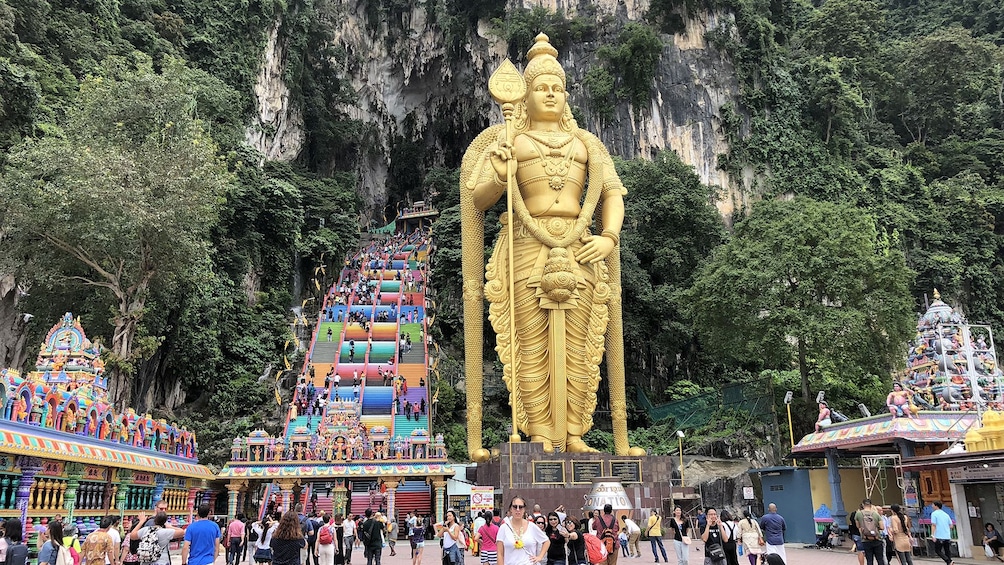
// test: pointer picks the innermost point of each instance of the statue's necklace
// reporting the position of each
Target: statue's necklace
(555, 163)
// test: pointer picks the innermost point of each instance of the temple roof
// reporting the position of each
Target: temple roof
(860, 434)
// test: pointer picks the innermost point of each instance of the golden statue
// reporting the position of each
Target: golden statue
(552, 284)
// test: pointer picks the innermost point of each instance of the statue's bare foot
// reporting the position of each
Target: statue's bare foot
(576, 445)
(548, 446)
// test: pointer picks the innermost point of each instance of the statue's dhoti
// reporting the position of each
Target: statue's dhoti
(560, 318)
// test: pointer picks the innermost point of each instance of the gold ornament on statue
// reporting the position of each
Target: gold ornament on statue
(552, 286)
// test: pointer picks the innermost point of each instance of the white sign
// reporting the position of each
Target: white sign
(986, 472)
(748, 493)
(482, 498)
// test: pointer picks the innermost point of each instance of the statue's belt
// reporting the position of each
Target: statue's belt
(556, 226)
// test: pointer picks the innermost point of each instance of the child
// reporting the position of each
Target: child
(623, 538)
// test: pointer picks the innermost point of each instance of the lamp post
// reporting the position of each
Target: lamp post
(788, 396)
(679, 439)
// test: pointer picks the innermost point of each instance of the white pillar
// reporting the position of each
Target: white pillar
(962, 526)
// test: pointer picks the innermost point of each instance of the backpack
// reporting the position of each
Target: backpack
(366, 531)
(253, 534)
(149, 546)
(869, 526)
(595, 549)
(63, 556)
(607, 534)
(17, 554)
(325, 537)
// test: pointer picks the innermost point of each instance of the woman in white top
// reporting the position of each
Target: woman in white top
(519, 541)
(263, 547)
(451, 532)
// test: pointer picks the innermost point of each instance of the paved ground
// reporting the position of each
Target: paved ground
(796, 556)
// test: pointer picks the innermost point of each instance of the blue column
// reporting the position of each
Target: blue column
(159, 481)
(838, 512)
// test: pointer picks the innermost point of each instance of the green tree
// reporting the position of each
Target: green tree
(123, 202)
(807, 282)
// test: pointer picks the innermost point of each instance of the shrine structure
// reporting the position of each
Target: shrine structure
(951, 388)
(64, 450)
(357, 431)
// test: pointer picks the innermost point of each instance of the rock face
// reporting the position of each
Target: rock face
(276, 129)
(411, 85)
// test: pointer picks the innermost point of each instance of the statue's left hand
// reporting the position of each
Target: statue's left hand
(596, 248)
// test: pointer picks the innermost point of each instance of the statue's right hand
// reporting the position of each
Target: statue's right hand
(500, 155)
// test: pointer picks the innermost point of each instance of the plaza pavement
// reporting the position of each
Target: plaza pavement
(797, 555)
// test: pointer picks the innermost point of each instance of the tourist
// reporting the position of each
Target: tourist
(901, 538)
(890, 549)
(11, 543)
(681, 535)
(128, 551)
(235, 539)
(392, 536)
(329, 539)
(98, 547)
(941, 524)
(349, 538)
(164, 536)
(416, 537)
(870, 525)
(486, 536)
(992, 541)
(287, 541)
(855, 533)
(519, 542)
(202, 540)
(262, 532)
(53, 551)
(161, 506)
(773, 527)
(633, 535)
(479, 519)
(714, 537)
(371, 532)
(451, 533)
(575, 543)
(113, 532)
(729, 525)
(557, 534)
(751, 537)
(607, 530)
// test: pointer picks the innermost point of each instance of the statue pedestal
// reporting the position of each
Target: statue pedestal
(550, 479)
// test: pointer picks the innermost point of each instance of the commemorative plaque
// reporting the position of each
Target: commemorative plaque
(583, 472)
(628, 471)
(549, 472)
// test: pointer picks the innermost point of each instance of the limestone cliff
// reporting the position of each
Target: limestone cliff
(276, 128)
(411, 85)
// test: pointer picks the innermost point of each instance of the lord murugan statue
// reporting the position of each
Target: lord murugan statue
(553, 280)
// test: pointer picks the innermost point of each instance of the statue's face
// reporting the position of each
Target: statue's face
(546, 99)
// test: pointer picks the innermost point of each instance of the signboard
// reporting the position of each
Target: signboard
(549, 472)
(586, 471)
(628, 471)
(482, 498)
(982, 473)
(748, 493)
(52, 468)
(92, 473)
(142, 478)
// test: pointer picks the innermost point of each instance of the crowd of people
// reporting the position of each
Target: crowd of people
(144, 540)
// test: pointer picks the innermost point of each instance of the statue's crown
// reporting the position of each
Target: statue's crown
(542, 60)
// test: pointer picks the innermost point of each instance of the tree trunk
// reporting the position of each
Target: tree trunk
(13, 331)
(803, 370)
(120, 378)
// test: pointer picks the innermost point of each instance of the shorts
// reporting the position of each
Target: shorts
(858, 544)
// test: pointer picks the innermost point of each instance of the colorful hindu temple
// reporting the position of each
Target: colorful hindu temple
(65, 450)
(911, 453)
(357, 431)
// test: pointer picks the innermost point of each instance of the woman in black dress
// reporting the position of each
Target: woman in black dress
(727, 523)
(287, 541)
(575, 543)
(556, 532)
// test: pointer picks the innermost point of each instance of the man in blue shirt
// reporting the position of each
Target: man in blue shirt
(941, 524)
(772, 525)
(202, 540)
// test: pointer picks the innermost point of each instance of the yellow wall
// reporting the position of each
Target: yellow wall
(852, 486)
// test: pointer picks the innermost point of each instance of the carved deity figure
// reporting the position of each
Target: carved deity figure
(823, 419)
(898, 402)
(564, 293)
